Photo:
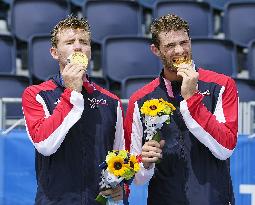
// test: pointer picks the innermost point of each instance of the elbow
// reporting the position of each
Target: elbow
(45, 151)
(224, 150)
(224, 154)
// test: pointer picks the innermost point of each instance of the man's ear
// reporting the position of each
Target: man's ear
(54, 53)
(155, 50)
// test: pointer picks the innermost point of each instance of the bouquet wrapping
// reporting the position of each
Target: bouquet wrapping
(119, 168)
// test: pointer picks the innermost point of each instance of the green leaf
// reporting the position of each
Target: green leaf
(156, 137)
(101, 200)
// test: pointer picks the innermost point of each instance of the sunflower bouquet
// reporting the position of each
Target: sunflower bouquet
(156, 112)
(119, 167)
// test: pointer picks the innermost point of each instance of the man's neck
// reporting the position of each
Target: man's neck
(171, 75)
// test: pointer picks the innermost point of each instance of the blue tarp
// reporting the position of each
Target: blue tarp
(18, 184)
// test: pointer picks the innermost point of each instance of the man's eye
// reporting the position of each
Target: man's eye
(184, 42)
(84, 42)
(170, 46)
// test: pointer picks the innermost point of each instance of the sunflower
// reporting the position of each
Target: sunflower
(152, 107)
(109, 156)
(133, 163)
(117, 166)
(170, 105)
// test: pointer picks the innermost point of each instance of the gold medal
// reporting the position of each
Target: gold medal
(79, 58)
(177, 62)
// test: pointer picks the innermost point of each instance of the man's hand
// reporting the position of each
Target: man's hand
(72, 76)
(115, 193)
(189, 82)
(151, 152)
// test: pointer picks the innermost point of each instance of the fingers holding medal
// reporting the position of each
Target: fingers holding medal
(78, 58)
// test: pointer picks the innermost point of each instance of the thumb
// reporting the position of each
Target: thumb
(162, 143)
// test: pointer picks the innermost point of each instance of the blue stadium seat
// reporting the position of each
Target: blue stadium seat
(251, 60)
(239, 22)
(131, 84)
(150, 3)
(8, 55)
(147, 3)
(13, 87)
(218, 4)
(40, 62)
(246, 90)
(198, 15)
(128, 56)
(111, 18)
(8, 1)
(29, 17)
(78, 3)
(215, 54)
(4, 7)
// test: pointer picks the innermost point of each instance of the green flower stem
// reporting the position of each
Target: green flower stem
(157, 138)
(100, 199)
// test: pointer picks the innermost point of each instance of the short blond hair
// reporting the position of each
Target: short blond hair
(167, 23)
(70, 22)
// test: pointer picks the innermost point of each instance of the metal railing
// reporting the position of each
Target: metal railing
(10, 123)
(246, 118)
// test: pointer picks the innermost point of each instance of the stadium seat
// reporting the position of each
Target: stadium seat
(147, 3)
(7, 1)
(218, 4)
(150, 3)
(128, 56)
(4, 7)
(13, 88)
(239, 22)
(78, 3)
(40, 62)
(8, 55)
(29, 17)
(251, 60)
(246, 90)
(198, 15)
(112, 18)
(131, 84)
(215, 54)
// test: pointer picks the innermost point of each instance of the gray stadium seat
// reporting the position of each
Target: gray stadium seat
(239, 23)
(131, 84)
(29, 17)
(113, 18)
(198, 15)
(13, 86)
(8, 55)
(128, 56)
(215, 54)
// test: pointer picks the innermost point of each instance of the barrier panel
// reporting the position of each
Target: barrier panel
(18, 183)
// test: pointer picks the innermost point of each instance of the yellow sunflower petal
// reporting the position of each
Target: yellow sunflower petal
(117, 166)
(110, 156)
(136, 167)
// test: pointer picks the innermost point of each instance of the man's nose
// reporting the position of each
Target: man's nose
(77, 46)
(178, 49)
